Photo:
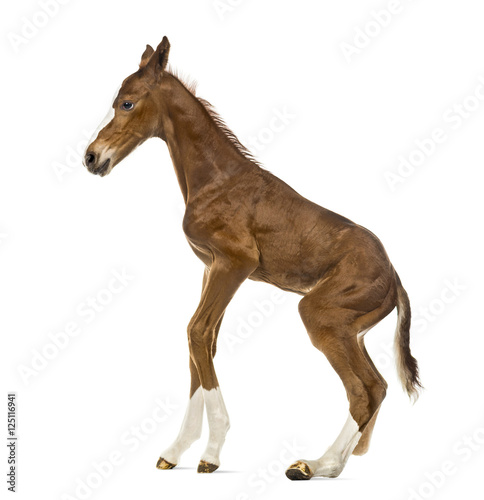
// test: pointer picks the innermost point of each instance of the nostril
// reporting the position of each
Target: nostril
(90, 159)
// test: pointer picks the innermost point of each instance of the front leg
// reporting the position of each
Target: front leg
(191, 428)
(224, 279)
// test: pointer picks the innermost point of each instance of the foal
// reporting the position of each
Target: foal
(243, 222)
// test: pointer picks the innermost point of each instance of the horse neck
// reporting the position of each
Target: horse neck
(200, 151)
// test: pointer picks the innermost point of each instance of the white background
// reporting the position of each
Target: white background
(63, 235)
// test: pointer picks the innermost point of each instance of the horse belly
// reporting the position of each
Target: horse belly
(289, 268)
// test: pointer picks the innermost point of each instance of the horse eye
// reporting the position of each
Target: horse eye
(127, 105)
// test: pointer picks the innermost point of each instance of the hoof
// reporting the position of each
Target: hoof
(162, 464)
(206, 468)
(299, 471)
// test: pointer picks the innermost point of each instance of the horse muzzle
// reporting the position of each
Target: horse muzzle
(97, 165)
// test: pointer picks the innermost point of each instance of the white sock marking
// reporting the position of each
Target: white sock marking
(333, 461)
(190, 430)
(218, 421)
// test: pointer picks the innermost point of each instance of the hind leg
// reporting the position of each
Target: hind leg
(364, 442)
(365, 393)
(334, 331)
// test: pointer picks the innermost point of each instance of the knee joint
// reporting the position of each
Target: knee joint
(199, 337)
(378, 393)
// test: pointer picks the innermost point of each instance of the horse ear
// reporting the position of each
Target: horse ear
(159, 59)
(163, 50)
(146, 56)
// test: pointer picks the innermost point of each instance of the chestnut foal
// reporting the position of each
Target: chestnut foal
(243, 222)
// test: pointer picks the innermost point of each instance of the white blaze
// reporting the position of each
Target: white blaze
(107, 119)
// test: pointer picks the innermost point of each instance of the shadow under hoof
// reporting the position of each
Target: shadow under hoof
(206, 468)
(162, 464)
(299, 471)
